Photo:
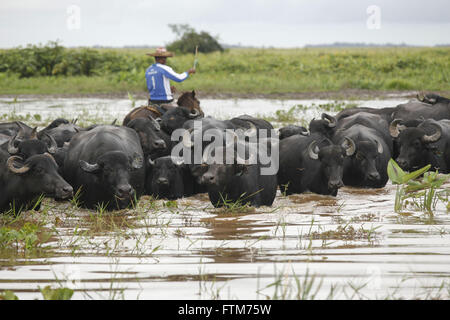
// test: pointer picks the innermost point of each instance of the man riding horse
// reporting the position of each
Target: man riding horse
(158, 76)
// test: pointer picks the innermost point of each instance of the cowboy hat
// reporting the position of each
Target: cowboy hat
(160, 52)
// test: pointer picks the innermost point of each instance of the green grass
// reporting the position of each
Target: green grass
(269, 71)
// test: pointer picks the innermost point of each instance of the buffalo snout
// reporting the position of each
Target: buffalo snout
(403, 163)
(208, 178)
(124, 191)
(162, 181)
(374, 176)
(335, 184)
(64, 192)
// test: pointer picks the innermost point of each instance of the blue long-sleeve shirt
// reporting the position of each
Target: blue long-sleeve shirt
(158, 76)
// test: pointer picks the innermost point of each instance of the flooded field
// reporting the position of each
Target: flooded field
(353, 246)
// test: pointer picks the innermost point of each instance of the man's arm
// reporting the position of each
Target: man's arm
(172, 75)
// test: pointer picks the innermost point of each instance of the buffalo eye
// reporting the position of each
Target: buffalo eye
(417, 144)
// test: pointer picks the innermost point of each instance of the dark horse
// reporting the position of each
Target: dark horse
(187, 99)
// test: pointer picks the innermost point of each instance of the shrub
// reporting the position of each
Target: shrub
(188, 39)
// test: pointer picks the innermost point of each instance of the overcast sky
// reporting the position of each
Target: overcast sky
(278, 23)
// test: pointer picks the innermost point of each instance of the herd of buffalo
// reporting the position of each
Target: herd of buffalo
(113, 165)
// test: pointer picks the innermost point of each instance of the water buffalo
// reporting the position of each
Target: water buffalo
(61, 130)
(22, 181)
(367, 166)
(176, 117)
(29, 147)
(313, 164)
(324, 126)
(428, 143)
(432, 98)
(13, 128)
(385, 113)
(369, 120)
(169, 178)
(155, 143)
(414, 109)
(291, 130)
(241, 180)
(107, 163)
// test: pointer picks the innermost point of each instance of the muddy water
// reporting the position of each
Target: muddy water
(351, 246)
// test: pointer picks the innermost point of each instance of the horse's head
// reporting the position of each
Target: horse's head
(188, 100)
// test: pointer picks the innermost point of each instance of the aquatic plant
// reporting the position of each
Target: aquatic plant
(423, 193)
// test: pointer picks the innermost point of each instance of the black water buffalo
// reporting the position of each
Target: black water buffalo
(169, 178)
(367, 166)
(313, 164)
(240, 180)
(385, 113)
(291, 130)
(414, 109)
(107, 163)
(13, 128)
(175, 118)
(61, 130)
(428, 143)
(155, 142)
(23, 181)
(432, 98)
(29, 147)
(325, 126)
(369, 120)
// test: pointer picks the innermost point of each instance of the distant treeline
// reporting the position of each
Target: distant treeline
(366, 45)
(53, 59)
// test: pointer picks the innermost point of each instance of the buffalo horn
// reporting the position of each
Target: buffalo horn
(395, 128)
(435, 136)
(155, 123)
(53, 145)
(349, 146)
(89, 167)
(331, 120)
(12, 168)
(33, 134)
(313, 151)
(252, 131)
(304, 132)
(194, 113)
(379, 147)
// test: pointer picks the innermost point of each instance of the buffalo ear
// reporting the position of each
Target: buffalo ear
(90, 168)
(193, 93)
